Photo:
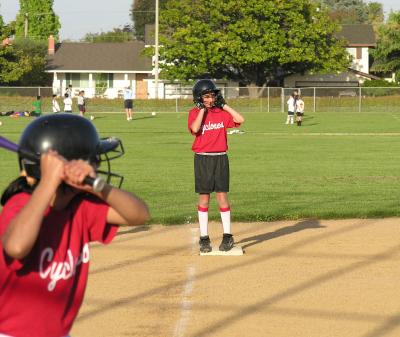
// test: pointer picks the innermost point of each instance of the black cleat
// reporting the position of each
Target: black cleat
(226, 243)
(205, 244)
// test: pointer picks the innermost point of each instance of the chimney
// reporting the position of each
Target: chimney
(51, 48)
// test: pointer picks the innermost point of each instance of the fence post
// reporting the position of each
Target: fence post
(314, 101)
(282, 99)
(268, 99)
(359, 99)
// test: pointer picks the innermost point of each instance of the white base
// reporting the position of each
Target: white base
(235, 251)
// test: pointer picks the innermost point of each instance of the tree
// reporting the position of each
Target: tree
(354, 11)
(1, 24)
(387, 53)
(39, 19)
(251, 41)
(11, 69)
(116, 35)
(23, 63)
(143, 13)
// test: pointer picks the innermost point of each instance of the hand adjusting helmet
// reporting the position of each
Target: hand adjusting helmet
(202, 87)
(73, 137)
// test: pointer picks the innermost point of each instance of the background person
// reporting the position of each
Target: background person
(54, 104)
(209, 122)
(81, 101)
(128, 102)
(299, 110)
(37, 107)
(291, 106)
(48, 219)
(69, 91)
(67, 103)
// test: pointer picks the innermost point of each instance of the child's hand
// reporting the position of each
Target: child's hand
(76, 171)
(219, 101)
(52, 168)
(200, 105)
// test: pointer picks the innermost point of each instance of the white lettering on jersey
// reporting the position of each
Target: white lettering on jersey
(212, 126)
(61, 270)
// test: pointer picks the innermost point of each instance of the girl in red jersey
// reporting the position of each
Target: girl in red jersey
(209, 122)
(49, 217)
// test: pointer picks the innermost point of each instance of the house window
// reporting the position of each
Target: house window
(358, 53)
(106, 80)
(77, 80)
(103, 82)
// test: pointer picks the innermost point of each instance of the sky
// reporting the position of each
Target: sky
(79, 17)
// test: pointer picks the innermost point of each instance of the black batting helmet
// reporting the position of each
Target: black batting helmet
(73, 137)
(202, 87)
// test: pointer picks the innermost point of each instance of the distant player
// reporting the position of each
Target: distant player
(37, 107)
(299, 110)
(128, 103)
(67, 103)
(81, 102)
(55, 105)
(291, 106)
(209, 122)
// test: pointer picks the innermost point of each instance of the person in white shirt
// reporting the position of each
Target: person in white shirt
(55, 105)
(128, 103)
(81, 102)
(291, 103)
(69, 91)
(67, 103)
(299, 110)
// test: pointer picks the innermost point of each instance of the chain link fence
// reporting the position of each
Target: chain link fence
(244, 99)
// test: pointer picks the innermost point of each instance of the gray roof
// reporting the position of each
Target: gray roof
(105, 56)
(358, 35)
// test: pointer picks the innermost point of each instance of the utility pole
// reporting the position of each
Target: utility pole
(156, 51)
(26, 25)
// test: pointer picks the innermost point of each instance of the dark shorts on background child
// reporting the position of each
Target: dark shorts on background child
(128, 104)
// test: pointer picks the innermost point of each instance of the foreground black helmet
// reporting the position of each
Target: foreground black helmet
(73, 137)
(203, 87)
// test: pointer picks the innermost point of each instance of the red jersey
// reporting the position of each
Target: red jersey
(212, 134)
(41, 294)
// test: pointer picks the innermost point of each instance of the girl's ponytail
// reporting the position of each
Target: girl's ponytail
(16, 186)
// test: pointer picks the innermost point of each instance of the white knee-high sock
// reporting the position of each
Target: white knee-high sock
(203, 220)
(226, 219)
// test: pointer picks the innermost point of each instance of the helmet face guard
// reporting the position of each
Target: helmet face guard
(73, 137)
(114, 149)
(203, 87)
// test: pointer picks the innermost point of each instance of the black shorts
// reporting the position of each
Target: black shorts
(81, 108)
(128, 104)
(211, 173)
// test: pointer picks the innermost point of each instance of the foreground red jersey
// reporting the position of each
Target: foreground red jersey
(41, 294)
(212, 134)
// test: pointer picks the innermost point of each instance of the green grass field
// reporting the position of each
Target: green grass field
(337, 165)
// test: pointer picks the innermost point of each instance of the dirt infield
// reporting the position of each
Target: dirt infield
(305, 278)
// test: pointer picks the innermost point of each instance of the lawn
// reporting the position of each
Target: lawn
(337, 165)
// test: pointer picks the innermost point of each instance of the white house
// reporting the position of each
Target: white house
(359, 39)
(101, 69)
